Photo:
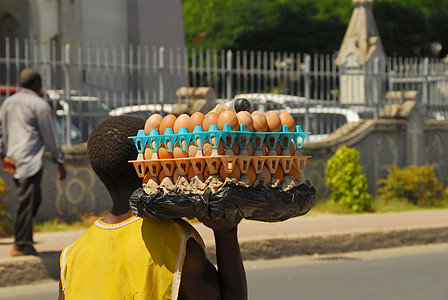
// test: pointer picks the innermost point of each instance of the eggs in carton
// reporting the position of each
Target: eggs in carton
(241, 146)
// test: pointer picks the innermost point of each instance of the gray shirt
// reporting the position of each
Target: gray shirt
(27, 127)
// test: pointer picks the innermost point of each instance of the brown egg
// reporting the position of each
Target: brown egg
(279, 173)
(235, 147)
(250, 149)
(207, 148)
(292, 148)
(259, 121)
(244, 118)
(264, 149)
(221, 148)
(153, 122)
(265, 175)
(163, 153)
(278, 148)
(197, 119)
(168, 144)
(294, 172)
(192, 150)
(236, 173)
(213, 142)
(274, 122)
(198, 142)
(191, 172)
(176, 175)
(183, 121)
(179, 153)
(251, 174)
(148, 153)
(287, 120)
(167, 122)
(257, 112)
(228, 117)
(162, 175)
(210, 119)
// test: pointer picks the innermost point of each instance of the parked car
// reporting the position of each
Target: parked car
(142, 111)
(323, 120)
(267, 101)
(85, 112)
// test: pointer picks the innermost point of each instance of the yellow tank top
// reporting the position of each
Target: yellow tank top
(135, 259)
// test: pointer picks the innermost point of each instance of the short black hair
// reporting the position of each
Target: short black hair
(109, 149)
(29, 78)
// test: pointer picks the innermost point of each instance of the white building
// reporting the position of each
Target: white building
(152, 23)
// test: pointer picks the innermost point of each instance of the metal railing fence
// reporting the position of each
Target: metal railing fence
(85, 81)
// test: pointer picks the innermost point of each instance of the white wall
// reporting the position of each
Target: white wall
(160, 23)
(104, 22)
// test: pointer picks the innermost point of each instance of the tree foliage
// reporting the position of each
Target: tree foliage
(407, 27)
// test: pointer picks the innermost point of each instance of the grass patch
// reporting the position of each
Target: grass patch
(380, 205)
(83, 222)
(6, 225)
(322, 207)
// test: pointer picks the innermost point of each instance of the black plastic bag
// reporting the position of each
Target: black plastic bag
(260, 203)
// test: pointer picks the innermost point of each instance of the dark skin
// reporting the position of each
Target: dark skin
(9, 166)
(200, 279)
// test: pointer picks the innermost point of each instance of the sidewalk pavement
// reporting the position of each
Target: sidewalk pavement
(306, 235)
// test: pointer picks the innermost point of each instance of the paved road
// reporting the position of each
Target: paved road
(418, 272)
(406, 273)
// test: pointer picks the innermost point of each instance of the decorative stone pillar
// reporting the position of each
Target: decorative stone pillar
(361, 58)
(415, 133)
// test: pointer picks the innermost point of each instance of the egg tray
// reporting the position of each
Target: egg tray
(154, 164)
(154, 140)
(143, 167)
(258, 203)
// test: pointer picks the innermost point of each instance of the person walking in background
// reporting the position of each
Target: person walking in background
(27, 129)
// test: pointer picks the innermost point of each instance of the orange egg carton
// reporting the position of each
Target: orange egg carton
(214, 162)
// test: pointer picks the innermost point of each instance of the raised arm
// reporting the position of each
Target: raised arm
(201, 280)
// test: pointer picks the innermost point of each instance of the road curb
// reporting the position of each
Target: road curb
(28, 269)
(337, 243)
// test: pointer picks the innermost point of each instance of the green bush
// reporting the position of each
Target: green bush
(6, 226)
(347, 182)
(416, 184)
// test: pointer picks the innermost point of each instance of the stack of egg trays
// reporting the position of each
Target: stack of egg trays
(229, 137)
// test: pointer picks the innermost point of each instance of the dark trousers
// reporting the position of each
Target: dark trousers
(28, 201)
